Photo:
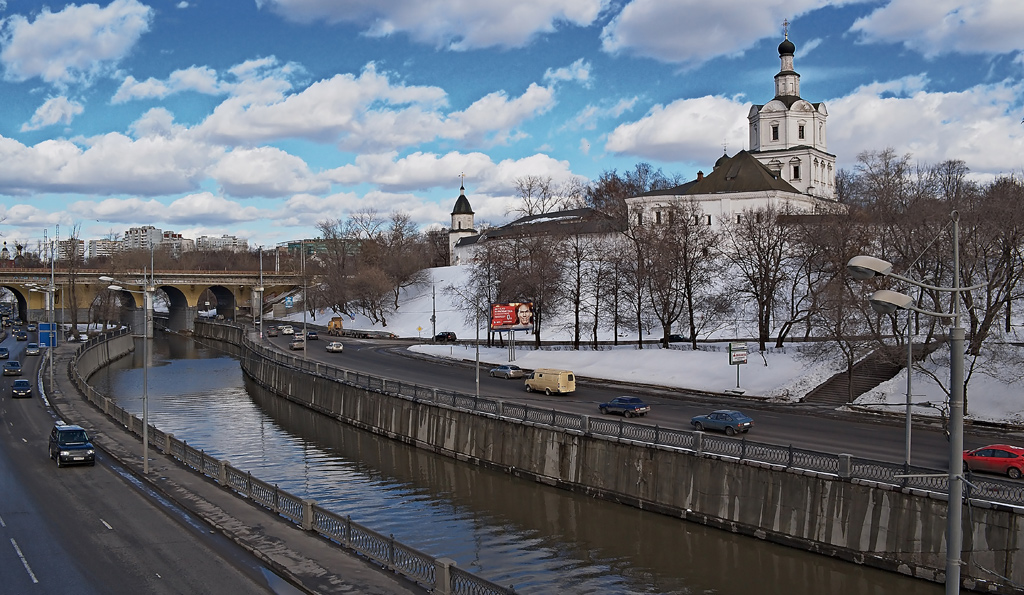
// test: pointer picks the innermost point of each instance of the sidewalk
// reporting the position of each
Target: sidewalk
(305, 559)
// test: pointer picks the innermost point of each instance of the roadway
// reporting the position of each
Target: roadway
(801, 425)
(98, 529)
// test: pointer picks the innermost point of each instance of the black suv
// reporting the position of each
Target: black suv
(70, 445)
(445, 337)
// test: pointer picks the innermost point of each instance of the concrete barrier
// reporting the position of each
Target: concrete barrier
(859, 521)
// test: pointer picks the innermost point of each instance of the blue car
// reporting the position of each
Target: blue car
(627, 406)
(723, 420)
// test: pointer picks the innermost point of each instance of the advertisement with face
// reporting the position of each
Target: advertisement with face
(513, 316)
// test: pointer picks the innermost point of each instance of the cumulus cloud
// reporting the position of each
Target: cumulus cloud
(74, 45)
(369, 113)
(578, 71)
(980, 125)
(589, 116)
(936, 28)
(265, 171)
(55, 110)
(652, 28)
(201, 79)
(451, 24)
(685, 130)
(203, 208)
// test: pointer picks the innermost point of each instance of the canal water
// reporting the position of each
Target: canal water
(514, 532)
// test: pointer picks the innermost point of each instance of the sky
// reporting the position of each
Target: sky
(262, 118)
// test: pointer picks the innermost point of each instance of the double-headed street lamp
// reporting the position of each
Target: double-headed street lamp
(885, 301)
(147, 293)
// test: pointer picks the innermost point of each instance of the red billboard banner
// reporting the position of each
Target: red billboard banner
(513, 316)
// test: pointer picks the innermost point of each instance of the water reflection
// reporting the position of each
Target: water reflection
(511, 531)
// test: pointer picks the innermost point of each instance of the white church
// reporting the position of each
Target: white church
(787, 164)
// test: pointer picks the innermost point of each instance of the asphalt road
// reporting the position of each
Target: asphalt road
(804, 426)
(97, 529)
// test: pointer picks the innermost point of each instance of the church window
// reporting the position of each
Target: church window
(796, 172)
(709, 219)
(640, 218)
(739, 218)
(657, 217)
(800, 131)
(775, 132)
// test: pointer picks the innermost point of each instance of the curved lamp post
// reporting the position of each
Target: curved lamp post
(147, 292)
(885, 301)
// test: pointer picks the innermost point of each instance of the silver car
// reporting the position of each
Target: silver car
(507, 372)
(32, 349)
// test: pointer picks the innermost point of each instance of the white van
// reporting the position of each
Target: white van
(550, 381)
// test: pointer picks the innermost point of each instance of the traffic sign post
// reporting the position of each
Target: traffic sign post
(737, 357)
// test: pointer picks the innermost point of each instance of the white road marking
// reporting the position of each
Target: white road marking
(2, 524)
(106, 524)
(24, 562)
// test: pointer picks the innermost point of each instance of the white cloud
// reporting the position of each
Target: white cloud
(369, 113)
(690, 32)
(265, 171)
(452, 24)
(979, 125)
(74, 45)
(578, 71)
(196, 78)
(55, 110)
(589, 116)
(687, 130)
(202, 208)
(23, 215)
(947, 26)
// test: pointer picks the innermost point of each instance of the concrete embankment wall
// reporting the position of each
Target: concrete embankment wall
(102, 353)
(876, 525)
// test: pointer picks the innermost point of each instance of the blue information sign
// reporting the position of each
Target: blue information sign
(47, 334)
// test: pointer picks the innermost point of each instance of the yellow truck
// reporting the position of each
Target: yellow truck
(335, 325)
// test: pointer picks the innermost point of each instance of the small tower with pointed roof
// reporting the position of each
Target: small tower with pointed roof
(462, 223)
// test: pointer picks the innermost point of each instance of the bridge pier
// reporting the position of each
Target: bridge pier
(182, 318)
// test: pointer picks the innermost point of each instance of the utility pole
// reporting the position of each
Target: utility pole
(433, 310)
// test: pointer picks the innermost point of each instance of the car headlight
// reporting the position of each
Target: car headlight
(90, 452)
(65, 453)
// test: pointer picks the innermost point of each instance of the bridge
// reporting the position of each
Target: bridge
(238, 294)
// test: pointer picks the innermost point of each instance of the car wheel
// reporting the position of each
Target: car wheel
(604, 411)
(529, 388)
(492, 374)
(698, 426)
(507, 376)
(547, 391)
(729, 431)
(57, 458)
(627, 413)
(1013, 472)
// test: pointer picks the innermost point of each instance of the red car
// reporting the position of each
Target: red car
(996, 458)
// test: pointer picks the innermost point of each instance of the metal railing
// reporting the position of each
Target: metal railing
(439, 574)
(840, 466)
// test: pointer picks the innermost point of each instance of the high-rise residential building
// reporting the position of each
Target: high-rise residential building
(99, 248)
(224, 242)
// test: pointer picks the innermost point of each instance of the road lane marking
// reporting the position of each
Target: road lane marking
(106, 524)
(24, 562)
(2, 523)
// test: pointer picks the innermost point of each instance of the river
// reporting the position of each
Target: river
(514, 532)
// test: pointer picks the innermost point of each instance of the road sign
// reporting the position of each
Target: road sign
(737, 353)
(288, 301)
(47, 334)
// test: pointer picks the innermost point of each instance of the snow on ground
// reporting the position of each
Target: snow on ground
(780, 375)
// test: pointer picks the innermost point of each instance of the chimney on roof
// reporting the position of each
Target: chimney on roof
(700, 175)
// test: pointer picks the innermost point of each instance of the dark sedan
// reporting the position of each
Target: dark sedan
(21, 389)
(723, 420)
(627, 406)
(12, 368)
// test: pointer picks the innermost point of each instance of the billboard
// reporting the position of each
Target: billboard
(512, 316)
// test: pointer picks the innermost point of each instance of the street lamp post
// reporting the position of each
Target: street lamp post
(147, 294)
(885, 301)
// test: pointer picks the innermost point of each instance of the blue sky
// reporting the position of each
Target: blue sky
(260, 118)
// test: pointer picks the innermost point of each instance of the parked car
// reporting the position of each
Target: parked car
(21, 389)
(335, 347)
(32, 349)
(297, 344)
(445, 337)
(551, 381)
(70, 445)
(12, 368)
(287, 330)
(723, 420)
(21, 336)
(507, 372)
(627, 406)
(996, 458)
(5, 353)
(312, 336)
(678, 339)
(272, 331)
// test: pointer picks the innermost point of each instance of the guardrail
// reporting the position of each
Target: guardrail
(841, 466)
(439, 574)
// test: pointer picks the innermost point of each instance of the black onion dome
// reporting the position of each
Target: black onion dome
(462, 204)
(721, 160)
(786, 48)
